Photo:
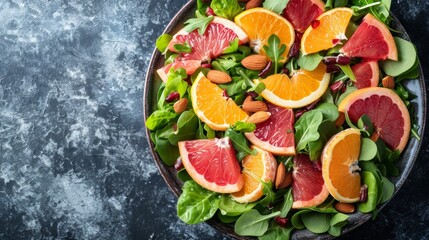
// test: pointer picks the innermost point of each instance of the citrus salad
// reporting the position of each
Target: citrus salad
(284, 114)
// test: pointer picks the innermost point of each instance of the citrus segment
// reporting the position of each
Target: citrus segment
(326, 31)
(300, 13)
(217, 37)
(260, 24)
(212, 164)
(372, 40)
(308, 187)
(387, 112)
(367, 74)
(340, 165)
(217, 111)
(302, 89)
(189, 65)
(275, 134)
(256, 168)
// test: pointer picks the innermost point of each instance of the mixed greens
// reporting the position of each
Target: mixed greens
(272, 216)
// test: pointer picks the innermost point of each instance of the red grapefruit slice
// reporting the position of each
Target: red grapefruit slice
(189, 65)
(302, 12)
(387, 111)
(308, 186)
(276, 134)
(217, 37)
(212, 164)
(367, 74)
(372, 40)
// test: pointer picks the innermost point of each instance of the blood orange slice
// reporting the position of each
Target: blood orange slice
(302, 12)
(367, 74)
(212, 164)
(340, 165)
(276, 134)
(217, 37)
(372, 40)
(256, 168)
(308, 187)
(387, 112)
(189, 65)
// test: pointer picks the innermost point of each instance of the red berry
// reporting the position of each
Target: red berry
(173, 96)
(315, 23)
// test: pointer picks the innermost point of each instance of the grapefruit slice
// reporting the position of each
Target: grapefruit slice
(302, 12)
(387, 112)
(308, 187)
(340, 164)
(302, 89)
(260, 24)
(256, 168)
(189, 65)
(209, 104)
(212, 164)
(367, 74)
(217, 37)
(276, 134)
(326, 31)
(372, 40)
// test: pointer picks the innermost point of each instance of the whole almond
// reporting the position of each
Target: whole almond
(287, 181)
(254, 106)
(180, 105)
(255, 62)
(259, 117)
(280, 175)
(388, 82)
(216, 76)
(344, 207)
(253, 4)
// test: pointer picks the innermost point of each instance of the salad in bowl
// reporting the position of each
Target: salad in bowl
(279, 119)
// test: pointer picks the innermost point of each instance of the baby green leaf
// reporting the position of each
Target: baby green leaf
(183, 175)
(309, 62)
(364, 124)
(407, 56)
(230, 207)
(239, 142)
(233, 47)
(368, 150)
(338, 221)
(159, 119)
(348, 71)
(187, 125)
(276, 232)
(329, 111)
(252, 223)
(316, 222)
(200, 22)
(370, 181)
(202, 7)
(240, 126)
(196, 204)
(226, 8)
(287, 203)
(276, 6)
(306, 129)
(226, 218)
(182, 48)
(388, 190)
(274, 50)
(296, 219)
(163, 41)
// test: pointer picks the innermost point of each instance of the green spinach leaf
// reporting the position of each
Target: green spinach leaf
(407, 56)
(239, 142)
(159, 119)
(252, 223)
(230, 207)
(226, 8)
(163, 41)
(276, 6)
(309, 62)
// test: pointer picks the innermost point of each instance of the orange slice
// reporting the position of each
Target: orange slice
(217, 111)
(326, 31)
(340, 164)
(256, 168)
(260, 24)
(302, 89)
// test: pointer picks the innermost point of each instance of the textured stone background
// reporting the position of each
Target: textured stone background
(74, 162)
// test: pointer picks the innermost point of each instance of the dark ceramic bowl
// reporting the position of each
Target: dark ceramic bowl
(408, 157)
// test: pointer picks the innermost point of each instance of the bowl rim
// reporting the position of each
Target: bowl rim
(171, 180)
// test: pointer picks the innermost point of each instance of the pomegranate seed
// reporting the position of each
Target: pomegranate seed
(206, 65)
(178, 165)
(343, 60)
(253, 94)
(173, 96)
(329, 60)
(337, 86)
(294, 50)
(265, 71)
(210, 12)
(344, 88)
(282, 222)
(225, 94)
(363, 195)
(315, 23)
(312, 105)
(188, 80)
(335, 41)
(332, 68)
(285, 71)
